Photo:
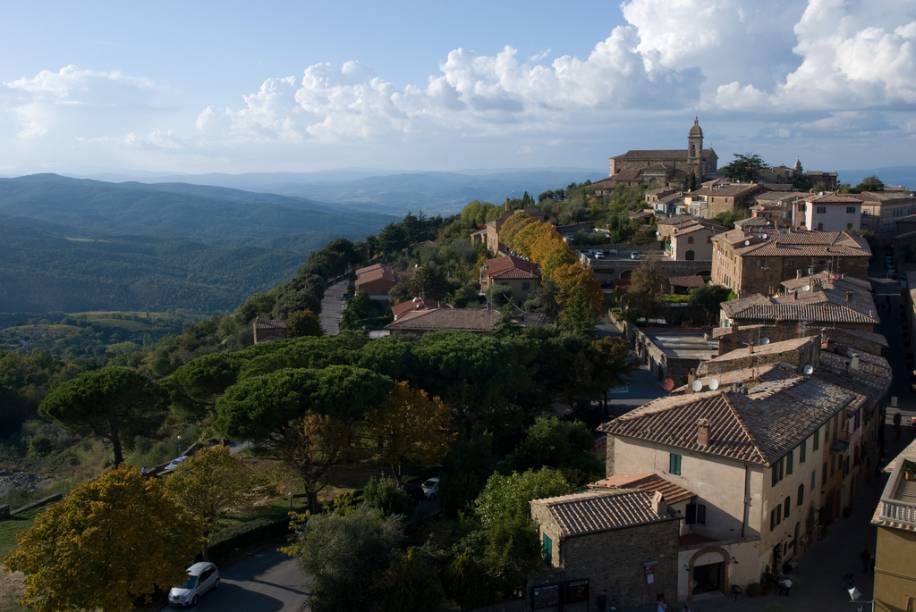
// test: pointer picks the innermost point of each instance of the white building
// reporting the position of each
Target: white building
(833, 212)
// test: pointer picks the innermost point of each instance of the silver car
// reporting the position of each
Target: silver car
(202, 577)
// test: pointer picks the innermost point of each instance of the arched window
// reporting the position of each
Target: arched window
(689, 239)
(801, 494)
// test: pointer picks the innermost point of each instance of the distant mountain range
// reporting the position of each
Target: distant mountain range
(890, 175)
(391, 193)
(73, 244)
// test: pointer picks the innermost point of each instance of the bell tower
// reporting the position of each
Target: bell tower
(695, 150)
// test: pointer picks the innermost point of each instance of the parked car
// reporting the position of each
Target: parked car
(612, 253)
(430, 487)
(202, 577)
(635, 255)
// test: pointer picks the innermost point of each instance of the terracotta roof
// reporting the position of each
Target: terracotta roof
(510, 266)
(659, 155)
(888, 197)
(759, 426)
(374, 273)
(677, 220)
(690, 282)
(762, 373)
(773, 348)
(596, 511)
(453, 319)
(399, 310)
(788, 243)
(696, 225)
(726, 189)
(834, 198)
(647, 481)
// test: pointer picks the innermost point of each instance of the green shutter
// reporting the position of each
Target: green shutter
(790, 459)
(774, 474)
(786, 506)
(674, 464)
(547, 549)
(817, 439)
(802, 451)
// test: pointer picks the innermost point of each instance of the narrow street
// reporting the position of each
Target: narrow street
(332, 305)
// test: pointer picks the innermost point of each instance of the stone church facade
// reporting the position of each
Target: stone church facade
(665, 167)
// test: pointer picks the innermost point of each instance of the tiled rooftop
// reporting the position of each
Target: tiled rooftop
(786, 243)
(455, 319)
(512, 267)
(646, 481)
(758, 426)
(597, 510)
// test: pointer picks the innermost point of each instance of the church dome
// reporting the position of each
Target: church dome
(696, 131)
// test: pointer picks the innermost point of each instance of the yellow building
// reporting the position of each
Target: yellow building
(895, 517)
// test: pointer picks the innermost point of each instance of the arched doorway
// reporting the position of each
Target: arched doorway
(708, 571)
(689, 255)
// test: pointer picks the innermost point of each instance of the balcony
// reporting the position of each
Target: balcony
(899, 512)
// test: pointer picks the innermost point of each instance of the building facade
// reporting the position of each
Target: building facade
(750, 262)
(520, 276)
(833, 212)
(692, 240)
(882, 209)
(666, 167)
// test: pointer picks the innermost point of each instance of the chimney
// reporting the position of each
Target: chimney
(658, 504)
(703, 432)
(691, 376)
(750, 348)
(848, 297)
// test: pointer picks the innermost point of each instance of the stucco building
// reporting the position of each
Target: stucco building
(895, 518)
(376, 281)
(833, 212)
(692, 240)
(758, 461)
(717, 198)
(756, 261)
(882, 209)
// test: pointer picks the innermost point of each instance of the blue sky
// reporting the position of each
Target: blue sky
(233, 86)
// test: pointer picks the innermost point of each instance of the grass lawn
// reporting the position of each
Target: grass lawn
(11, 528)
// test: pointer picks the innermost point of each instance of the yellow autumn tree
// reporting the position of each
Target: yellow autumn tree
(410, 427)
(210, 483)
(109, 542)
(575, 284)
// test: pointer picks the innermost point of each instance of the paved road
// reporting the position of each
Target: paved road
(332, 305)
(265, 580)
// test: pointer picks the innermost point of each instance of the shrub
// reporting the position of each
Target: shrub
(383, 492)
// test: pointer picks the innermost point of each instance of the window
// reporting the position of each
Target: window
(526, 286)
(790, 459)
(775, 517)
(849, 226)
(824, 474)
(696, 514)
(689, 239)
(820, 227)
(800, 497)
(547, 549)
(674, 464)
(689, 255)
(786, 507)
(802, 451)
(817, 439)
(850, 210)
(813, 479)
(821, 210)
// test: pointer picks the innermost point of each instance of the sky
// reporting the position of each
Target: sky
(232, 86)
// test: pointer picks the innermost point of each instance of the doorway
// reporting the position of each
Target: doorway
(708, 578)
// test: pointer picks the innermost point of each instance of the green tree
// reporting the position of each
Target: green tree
(351, 557)
(364, 312)
(564, 445)
(646, 286)
(198, 383)
(386, 494)
(417, 586)
(303, 323)
(465, 470)
(114, 403)
(393, 239)
(710, 298)
(870, 183)
(209, 484)
(306, 415)
(431, 283)
(747, 167)
(507, 497)
(110, 541)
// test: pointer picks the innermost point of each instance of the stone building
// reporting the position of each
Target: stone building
(717, 198)
(426, 320)
(756, 459)
(266, 330)
(895, 518)
(750, 262)
(820, 300)
(665, 167)
(882, 209)
(621, 545)
(519, 275)
(796, 352)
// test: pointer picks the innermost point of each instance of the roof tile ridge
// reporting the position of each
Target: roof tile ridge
(753, 439)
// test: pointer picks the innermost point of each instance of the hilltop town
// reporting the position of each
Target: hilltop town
(683, 384)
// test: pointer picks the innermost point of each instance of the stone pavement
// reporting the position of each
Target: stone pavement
(332, 305)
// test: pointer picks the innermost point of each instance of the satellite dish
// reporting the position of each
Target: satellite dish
(765, 236)
(764, 341)
(747, 243)
(713, 384)
(697, 385)
(808, 370)
(668, 384)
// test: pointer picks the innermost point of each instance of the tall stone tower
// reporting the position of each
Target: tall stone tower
(695, 150)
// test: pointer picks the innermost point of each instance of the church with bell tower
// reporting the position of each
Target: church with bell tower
(666, 167)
